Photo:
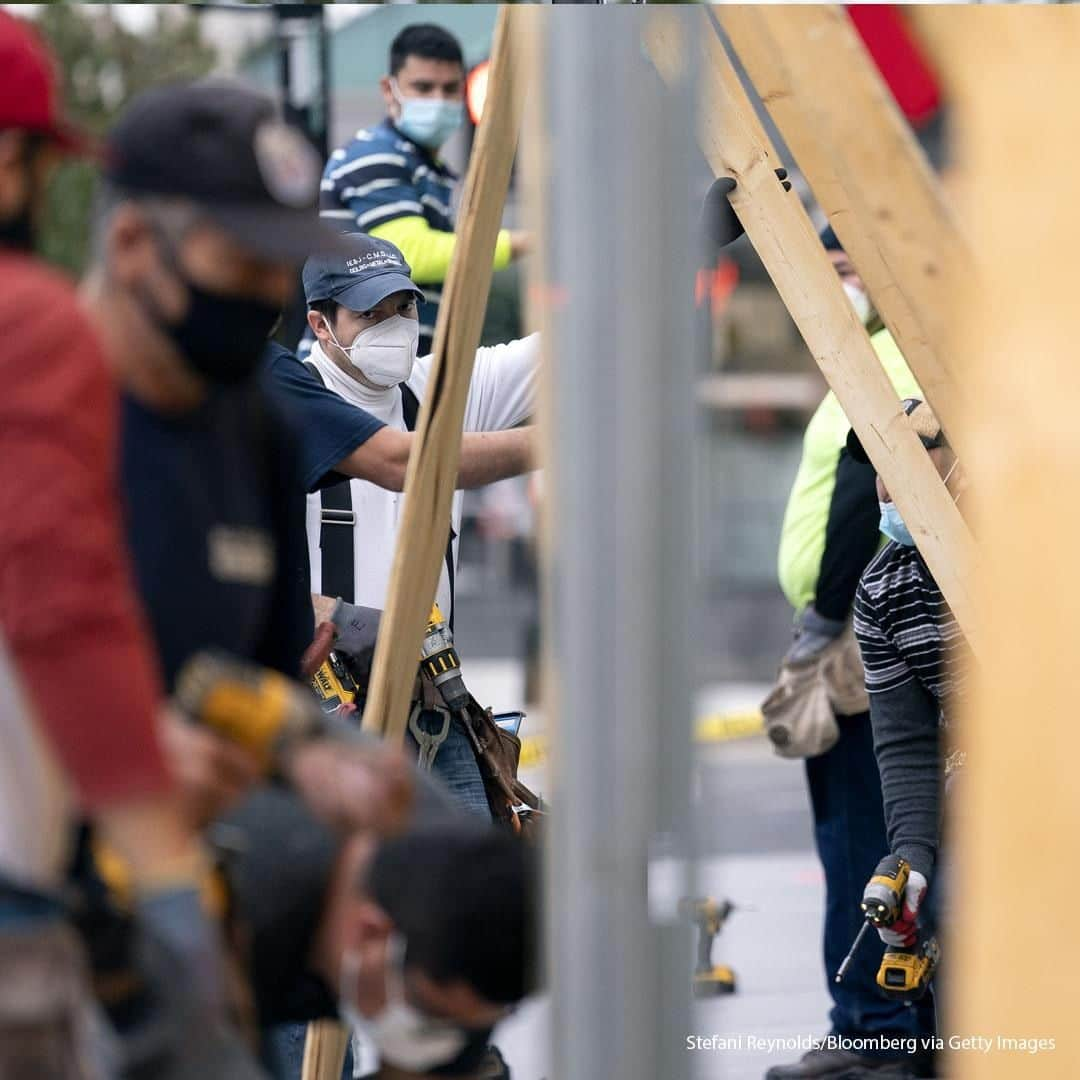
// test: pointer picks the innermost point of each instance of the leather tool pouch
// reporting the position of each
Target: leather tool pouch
(498, 753)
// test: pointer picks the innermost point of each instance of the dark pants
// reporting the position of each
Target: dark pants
(849, 828)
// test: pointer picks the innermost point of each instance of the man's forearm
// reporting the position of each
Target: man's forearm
(906, 744)
(487, 456)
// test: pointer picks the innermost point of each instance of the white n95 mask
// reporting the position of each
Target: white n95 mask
(860, 302)
(404, 1036)
(385, 353)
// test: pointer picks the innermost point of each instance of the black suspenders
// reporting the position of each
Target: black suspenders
(336, 531)
(336, 534)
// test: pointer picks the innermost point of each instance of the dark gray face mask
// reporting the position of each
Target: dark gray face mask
(18, 233)
(221, 337)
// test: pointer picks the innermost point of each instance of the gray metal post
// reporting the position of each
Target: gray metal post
(620, 259)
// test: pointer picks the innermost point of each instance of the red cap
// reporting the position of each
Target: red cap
(29, 100)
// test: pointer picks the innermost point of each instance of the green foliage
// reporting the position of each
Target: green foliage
(101, 67)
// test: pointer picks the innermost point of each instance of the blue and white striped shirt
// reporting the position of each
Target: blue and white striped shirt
(380, 176)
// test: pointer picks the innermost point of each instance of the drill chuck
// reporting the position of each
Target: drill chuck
(439, 661)
(883, 898)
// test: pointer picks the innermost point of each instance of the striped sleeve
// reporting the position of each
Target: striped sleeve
(369, 190)
(885, 668)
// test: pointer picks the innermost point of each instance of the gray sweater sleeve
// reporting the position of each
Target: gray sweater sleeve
(906, 744)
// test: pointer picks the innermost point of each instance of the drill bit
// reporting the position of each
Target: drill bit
(851, 952)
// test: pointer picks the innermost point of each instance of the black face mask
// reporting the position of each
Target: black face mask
(17, 233)
(221, 337)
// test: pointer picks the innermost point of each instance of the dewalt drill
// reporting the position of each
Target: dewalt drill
(337, 681)
(259, 708)
(904, 974)
(710, 980)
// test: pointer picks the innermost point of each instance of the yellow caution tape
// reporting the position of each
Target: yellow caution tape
(712, 728)
(722, 727)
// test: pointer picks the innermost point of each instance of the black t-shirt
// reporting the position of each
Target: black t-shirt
(216, 531)
(328, 429)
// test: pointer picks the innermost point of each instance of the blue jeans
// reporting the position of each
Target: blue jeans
(849, 828)
(455, 763)
(283, 1052)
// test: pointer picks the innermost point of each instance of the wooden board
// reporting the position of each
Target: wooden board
(324, 1050)
(868, 173)
(431, 477)
(432, 474)
(787, 244)
(1014, 84)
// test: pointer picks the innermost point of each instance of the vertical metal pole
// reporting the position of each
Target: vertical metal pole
(620, 260)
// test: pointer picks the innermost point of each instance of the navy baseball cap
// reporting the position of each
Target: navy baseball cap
(223, 146)
(372, 270)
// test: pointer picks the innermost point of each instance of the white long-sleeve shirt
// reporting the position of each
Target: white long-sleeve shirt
(502, 394)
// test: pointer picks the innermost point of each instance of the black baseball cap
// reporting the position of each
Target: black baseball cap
(222, 145)
(922, 420)
(370, 271)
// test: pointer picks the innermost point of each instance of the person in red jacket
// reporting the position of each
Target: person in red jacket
(80, 695)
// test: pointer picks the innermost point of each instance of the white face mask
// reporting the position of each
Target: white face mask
(384, 353)
(405, 1037)
(860, 302)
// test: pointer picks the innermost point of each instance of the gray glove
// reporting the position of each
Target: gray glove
(357, 628)
(176, 918)
(813, 635)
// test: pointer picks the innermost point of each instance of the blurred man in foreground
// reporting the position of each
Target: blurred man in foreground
(423, 941)
(69, 618)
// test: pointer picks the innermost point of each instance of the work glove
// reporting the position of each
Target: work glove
(356, 630)
(813, 635)
(175, 916)
(904, 933)
(719, 222)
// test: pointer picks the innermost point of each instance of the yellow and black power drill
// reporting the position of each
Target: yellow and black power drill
(259, 708)
(710, 980)
(904, 974)
(336, 682)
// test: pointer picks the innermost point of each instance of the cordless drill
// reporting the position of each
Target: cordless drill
(337, 683)
(904, 974)
(710, 980)
(440, 662)
(259, 708)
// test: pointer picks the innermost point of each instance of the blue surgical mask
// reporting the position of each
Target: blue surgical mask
(892, 525)
(428, 121)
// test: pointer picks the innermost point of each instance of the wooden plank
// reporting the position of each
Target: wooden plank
(787, 244)
(1014, 82)
(867, 171)
(431, 477)
(324, 1050)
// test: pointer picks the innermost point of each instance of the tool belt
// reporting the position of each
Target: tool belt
(497, 752)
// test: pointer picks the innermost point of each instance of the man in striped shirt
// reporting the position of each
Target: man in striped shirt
(915, 656)
(390, 180)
